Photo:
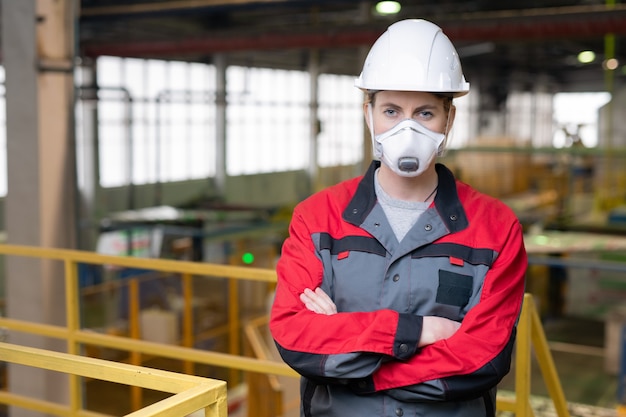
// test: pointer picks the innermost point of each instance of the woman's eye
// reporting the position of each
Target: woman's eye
(426, 114)
(390, 112)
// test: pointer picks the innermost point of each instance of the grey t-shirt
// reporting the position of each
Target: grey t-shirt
(402, 215)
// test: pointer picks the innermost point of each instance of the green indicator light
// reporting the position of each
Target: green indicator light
(247, 258)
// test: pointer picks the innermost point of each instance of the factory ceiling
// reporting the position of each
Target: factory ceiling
(505, 44)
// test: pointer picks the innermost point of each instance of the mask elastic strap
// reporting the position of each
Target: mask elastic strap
(442, 147)
(371, 119)
(371, 127)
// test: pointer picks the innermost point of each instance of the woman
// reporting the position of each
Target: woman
(398, 292)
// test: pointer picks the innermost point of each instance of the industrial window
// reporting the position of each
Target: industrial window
(155, 121)
(267, 120)
(577, 114)
(341, 123)
(529, 118)
(167, 109)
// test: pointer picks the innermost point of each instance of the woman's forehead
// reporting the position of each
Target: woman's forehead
(411, 98)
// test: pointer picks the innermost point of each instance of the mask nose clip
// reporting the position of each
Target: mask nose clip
(408, 164)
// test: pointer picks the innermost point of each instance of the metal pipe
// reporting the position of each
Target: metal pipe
(220, 123)
(531, 150)
(314, 118)
(578, 263)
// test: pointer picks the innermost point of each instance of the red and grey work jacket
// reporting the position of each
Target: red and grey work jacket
(464, 259)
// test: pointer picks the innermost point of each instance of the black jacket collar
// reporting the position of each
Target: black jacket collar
(447, 200)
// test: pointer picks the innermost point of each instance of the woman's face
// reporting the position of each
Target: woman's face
(391, 107)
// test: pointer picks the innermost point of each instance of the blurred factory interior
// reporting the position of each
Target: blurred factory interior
(189, 129)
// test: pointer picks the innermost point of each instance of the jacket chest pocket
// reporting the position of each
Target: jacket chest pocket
(454, 289)
(454, 275)
(449, 294)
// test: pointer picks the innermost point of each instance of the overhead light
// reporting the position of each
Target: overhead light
(586, 57)
(611, 64)
(388, 7)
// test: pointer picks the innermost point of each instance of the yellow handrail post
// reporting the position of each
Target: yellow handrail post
(546, 364)
(218, 408)
(530, 334)
(72, 307)
(135, 333)
(522, 360)
(265, 394)
(72, 312)
(188, 337)
(233, 325)
(273, 255)
(233, 314)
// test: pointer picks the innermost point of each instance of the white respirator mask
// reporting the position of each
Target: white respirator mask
(408, 148)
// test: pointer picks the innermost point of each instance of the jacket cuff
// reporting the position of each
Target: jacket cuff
(408, 335)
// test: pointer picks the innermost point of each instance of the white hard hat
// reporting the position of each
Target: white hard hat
(413, 55)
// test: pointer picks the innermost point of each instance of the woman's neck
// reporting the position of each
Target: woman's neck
(421, 188)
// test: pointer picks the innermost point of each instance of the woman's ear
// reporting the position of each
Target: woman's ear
(367, 114)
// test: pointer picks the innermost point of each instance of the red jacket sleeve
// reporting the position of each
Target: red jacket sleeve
(302, 332)
(486, 331)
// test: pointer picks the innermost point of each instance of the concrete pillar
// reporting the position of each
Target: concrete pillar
(38, 51)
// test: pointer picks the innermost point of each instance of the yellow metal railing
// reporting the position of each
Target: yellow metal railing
(267, 395)
(530, 334)
(530, 331)
(192, 393)
(76, 337)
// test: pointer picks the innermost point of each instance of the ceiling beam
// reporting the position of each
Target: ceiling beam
(522, 25)
(167, 6)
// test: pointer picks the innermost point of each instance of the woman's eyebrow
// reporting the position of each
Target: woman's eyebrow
(390, 104)
(425, 107)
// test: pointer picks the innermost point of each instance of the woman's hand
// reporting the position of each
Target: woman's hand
(318, 301)
(437, 328)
